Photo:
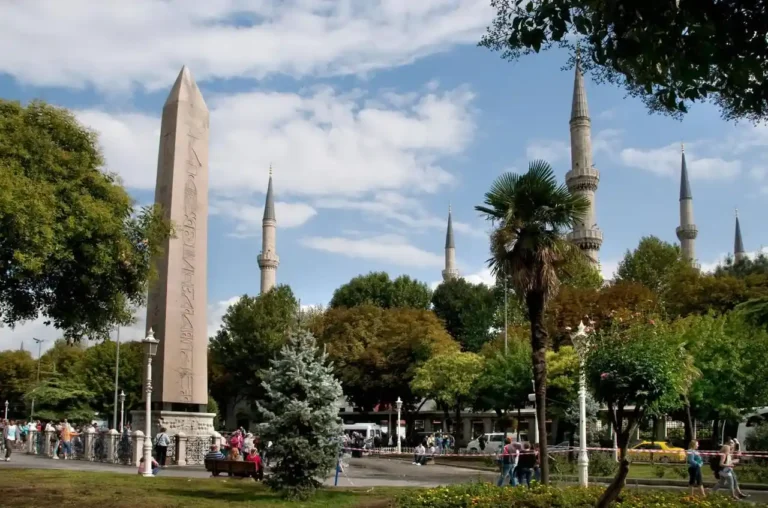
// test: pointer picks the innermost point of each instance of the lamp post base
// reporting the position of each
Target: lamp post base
(582, 464)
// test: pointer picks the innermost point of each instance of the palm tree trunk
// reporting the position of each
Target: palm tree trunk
(535, 303)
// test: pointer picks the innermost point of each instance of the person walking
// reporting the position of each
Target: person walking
(525, 465)
(10, 431)
(726, 474)
(162, 442)
(694, 468)
(66, 439)
(509, 456)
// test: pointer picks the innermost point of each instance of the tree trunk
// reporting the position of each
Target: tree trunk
(614, 489)
(535, 303)
(690, 430)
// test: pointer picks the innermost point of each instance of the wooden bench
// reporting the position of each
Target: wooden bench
(233, 468)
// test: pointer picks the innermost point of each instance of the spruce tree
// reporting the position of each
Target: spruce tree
(300, 417)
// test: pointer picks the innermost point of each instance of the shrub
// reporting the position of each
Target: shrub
(485, 495)
(602, 464)
(658, 471)
(758, 438)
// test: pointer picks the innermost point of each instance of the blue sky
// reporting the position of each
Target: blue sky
(375, 118)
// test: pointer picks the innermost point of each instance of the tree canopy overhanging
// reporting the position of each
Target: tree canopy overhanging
(73, 247)
(669, 53)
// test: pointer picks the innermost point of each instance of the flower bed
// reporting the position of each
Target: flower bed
(485, 495)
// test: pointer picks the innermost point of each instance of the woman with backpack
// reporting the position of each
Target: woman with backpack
(694, 468)
(725, 471)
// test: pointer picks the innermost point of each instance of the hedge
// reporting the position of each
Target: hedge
(486, 495)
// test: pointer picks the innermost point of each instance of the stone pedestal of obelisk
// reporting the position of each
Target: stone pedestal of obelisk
(177, 303)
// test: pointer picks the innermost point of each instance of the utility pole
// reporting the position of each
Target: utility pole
(506, 316)
(39, 357)
(117, 379)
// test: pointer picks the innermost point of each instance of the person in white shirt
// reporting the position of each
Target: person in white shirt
(418, 457)
(10, 431)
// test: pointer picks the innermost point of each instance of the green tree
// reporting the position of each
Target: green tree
(376, 352)
(62, 359)
(73, 248)
(468, 311)
(531, 214)
(577, 271)
(505, 381)
(755, 311)
(253, 331)
(745, 267)
(562, 379)
(670, 54)
(651, 264)
(378, 289)
(645, 367)
(448, 380)
(692, 292)
(57, 398)
(300, 417)
(17, 374)
(96, 372)
(730, 355)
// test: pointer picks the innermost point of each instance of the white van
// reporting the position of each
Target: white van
(494, 442)
(747, 425)
(367, 430)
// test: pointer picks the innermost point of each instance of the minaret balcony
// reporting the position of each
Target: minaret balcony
(590, 239)
(582, 179)
(687, 232)
(450, 274)
(268, 260)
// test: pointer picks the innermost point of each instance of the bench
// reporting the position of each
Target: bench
(233, 468)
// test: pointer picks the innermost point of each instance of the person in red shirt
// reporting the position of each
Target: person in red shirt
(253, 456)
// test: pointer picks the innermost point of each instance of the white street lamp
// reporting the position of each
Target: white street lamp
(581, 343)
(6, 410)
(532, 398)
(122, 410)
(399, 404)
(150, 348)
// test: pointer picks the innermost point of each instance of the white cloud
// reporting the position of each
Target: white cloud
(710, 266)
(608, 114)
(759, 173)
(391, 249)
(248, 217)
(401, 210)
(608, 268)
(665, 161)
(12, 338)
(320, 142)
(482, 277)
(118, 45)
(550, 150)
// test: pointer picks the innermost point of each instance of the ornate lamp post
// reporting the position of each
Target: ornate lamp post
(150, 347)
(6, 410)
(581, 343)
(399, 404)
(122, 410)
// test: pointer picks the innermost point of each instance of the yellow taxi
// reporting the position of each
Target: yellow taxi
(648, 451)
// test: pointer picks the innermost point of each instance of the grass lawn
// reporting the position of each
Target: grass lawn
(54, 488)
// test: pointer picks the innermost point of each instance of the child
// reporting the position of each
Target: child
(155, 466)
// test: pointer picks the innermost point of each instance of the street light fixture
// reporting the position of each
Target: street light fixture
(150, 348)
(581, 343)
(399, 405)
(6, 410)
(122, 410)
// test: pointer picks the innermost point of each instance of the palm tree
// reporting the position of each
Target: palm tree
(531, 214)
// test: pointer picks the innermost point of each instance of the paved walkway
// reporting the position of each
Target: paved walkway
(365, 472)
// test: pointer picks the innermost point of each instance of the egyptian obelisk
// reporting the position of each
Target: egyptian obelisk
(177, 304)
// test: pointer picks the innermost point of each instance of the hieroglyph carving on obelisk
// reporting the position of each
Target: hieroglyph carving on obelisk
(177, 303)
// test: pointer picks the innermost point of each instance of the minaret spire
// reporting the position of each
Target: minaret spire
(686, 231)
(268, 259)
(450, 272)
(583, 178)
(738, 244)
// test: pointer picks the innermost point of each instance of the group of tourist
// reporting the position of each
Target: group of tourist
(722, 465)
(519, 462)
(63, 436)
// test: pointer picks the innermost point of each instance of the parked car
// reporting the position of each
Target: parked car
(648, 451)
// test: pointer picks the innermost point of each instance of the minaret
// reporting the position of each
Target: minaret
(738, 244)
(583, 178)
(687, 231)
(450, 272)
(268, 259)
